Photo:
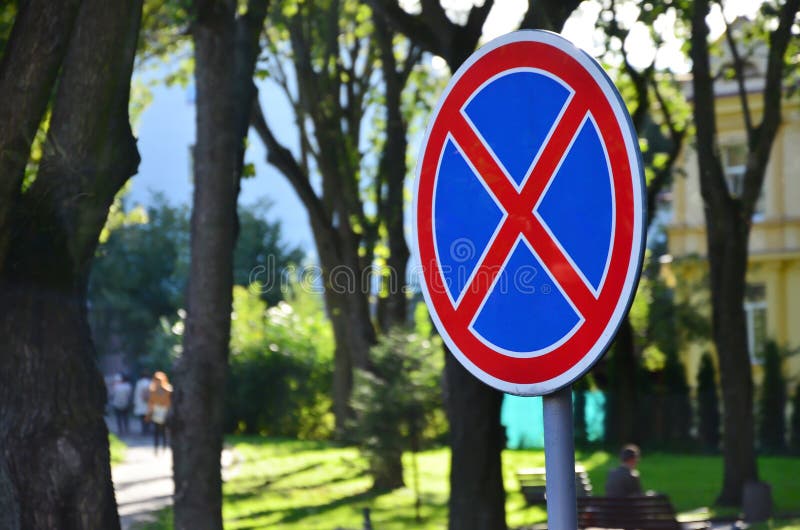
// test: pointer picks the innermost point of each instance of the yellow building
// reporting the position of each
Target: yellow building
(773, 295)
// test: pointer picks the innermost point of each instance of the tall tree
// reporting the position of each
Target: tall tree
(329, 106)
(333, 49)
(728, 223)
(477, 495)
(226, 46)
(74, 58)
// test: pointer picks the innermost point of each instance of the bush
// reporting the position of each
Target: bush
(398, 403)
(280, 367)
(678, 403)
(772, 402)
(708, 404)
(794, 423)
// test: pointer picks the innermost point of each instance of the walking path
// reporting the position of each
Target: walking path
(143, 482)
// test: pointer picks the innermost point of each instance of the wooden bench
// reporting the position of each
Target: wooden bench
(646, 512)
(532, 483)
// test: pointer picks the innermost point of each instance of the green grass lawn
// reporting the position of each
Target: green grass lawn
(117, 448)
(296, 485)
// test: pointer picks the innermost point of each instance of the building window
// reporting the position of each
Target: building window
(755, 309)
(734, 164)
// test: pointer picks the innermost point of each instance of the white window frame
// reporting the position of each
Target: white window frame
(751, 310)
(734, 176)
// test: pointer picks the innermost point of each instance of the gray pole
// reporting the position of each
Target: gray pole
(559, 461)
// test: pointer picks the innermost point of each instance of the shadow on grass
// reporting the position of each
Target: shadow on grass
(281, 446)
(293, 515)
(253, 490)
(286, 474)
(330, 482)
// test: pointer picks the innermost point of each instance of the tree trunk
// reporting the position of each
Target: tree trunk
(347, 306)
(54, 458)
(728, 267)
(727, 233)
(393, 304)
(28, 70)
(621, 402)
(200, 372)
(341, 275)
(477, 498)
(54, 439)
(226, 50)
(386, 469)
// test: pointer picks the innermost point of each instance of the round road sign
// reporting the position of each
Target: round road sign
(529, 212)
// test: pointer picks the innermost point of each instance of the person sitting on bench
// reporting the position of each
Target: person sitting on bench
(623, 481)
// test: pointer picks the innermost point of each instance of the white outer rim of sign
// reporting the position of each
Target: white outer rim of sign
(634, 267)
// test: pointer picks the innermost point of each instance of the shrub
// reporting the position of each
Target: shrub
(398, 403)
(280, 367)
(678, 409)
(772, 402)
(708, 404)
(794, 423)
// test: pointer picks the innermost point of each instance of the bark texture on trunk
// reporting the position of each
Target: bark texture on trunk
(477, 497)
(200, 372)
(226, 48)
(54, 458)
(54, 438)
(28, 69)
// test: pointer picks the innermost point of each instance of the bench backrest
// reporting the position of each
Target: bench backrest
(651, 512)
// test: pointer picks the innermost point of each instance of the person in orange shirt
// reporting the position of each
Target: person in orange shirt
(158, 404)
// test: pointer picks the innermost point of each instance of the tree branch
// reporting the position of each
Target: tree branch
(668, 120)
(283, 160)
(28, 70)
(663, 175)
(473, 29)
(548, 14)
(773, 93)
(738, 71)
(90, 151)
(247, 48)
(412, 59)
(639, 79)
(416, 27)
(712, 183)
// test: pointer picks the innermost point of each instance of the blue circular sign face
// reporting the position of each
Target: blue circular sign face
(528, 213)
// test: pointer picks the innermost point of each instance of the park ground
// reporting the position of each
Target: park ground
(294, 485)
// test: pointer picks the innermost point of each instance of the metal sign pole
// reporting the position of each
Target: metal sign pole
(559, 458)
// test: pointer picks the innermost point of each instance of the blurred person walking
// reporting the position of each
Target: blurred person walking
(121, 402)
(158, 404)
(141, 397)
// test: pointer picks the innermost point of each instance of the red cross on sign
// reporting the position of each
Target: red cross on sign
(529, 213)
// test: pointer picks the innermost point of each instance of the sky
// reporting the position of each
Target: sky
(165, 129)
